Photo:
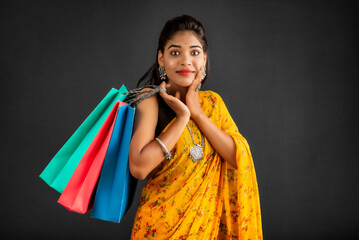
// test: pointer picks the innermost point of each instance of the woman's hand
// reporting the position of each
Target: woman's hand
(174, 102)
(192, 101)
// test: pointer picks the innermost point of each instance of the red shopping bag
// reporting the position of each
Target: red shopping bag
(78, 192)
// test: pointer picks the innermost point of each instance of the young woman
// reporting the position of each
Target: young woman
(201, 181)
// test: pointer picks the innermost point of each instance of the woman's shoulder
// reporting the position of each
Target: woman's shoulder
(153, 102)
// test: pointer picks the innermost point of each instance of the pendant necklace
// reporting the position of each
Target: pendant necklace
(196, 152)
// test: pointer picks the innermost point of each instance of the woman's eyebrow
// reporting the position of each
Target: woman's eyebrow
(178, 46)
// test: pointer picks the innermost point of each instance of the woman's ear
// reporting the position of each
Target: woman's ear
(205, 59)
(160, 58)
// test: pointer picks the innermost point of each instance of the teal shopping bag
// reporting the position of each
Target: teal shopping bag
(116, 187)
(60, 169)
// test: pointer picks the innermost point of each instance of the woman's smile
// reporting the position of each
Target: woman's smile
(185, 72)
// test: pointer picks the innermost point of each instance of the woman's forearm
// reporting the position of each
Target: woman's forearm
(152, 154)
(222, 142)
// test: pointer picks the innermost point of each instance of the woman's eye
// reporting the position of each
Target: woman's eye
(176, 53)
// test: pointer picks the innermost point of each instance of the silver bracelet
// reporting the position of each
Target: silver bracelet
(168, 154)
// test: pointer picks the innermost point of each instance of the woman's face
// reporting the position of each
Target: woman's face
(182, 52)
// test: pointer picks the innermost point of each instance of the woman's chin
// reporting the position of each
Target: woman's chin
(185, 83)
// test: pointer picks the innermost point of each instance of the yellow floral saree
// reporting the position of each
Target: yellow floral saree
(208, 199)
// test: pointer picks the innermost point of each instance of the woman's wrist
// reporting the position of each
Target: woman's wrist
(198, 116)
(168, 154)
(183, 118)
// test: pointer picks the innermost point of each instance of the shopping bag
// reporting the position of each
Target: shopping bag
(116, 187)
(75, 169)
(60, 169)
(77, 193)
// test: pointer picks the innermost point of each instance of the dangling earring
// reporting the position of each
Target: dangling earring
(204, 72)
(162, 72)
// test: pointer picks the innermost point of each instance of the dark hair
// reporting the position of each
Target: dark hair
(180, 23)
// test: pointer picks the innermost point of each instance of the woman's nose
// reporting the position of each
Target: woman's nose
(186, 60)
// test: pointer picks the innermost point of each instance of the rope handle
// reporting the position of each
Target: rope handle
(133, 97)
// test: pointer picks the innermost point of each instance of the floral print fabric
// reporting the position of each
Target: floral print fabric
(208, 199)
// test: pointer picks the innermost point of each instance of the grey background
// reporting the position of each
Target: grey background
(285, 69)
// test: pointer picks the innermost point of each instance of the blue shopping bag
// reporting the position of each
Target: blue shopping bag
(116, 187)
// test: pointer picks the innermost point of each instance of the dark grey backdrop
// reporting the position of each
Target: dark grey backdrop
(286, 70)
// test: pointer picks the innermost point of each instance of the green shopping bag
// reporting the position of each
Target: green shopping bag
(60, 169)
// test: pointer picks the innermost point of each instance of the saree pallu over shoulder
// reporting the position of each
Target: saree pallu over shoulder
(204, 200)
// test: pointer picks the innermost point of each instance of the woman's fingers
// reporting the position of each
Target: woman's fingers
(200, 74)
(174, 102)
(165, 86)
(168, 97)
(197, 80)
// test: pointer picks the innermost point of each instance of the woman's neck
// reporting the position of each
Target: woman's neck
(165, 115)
(182, 90)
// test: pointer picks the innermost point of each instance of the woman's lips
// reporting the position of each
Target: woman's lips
(184, 72)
